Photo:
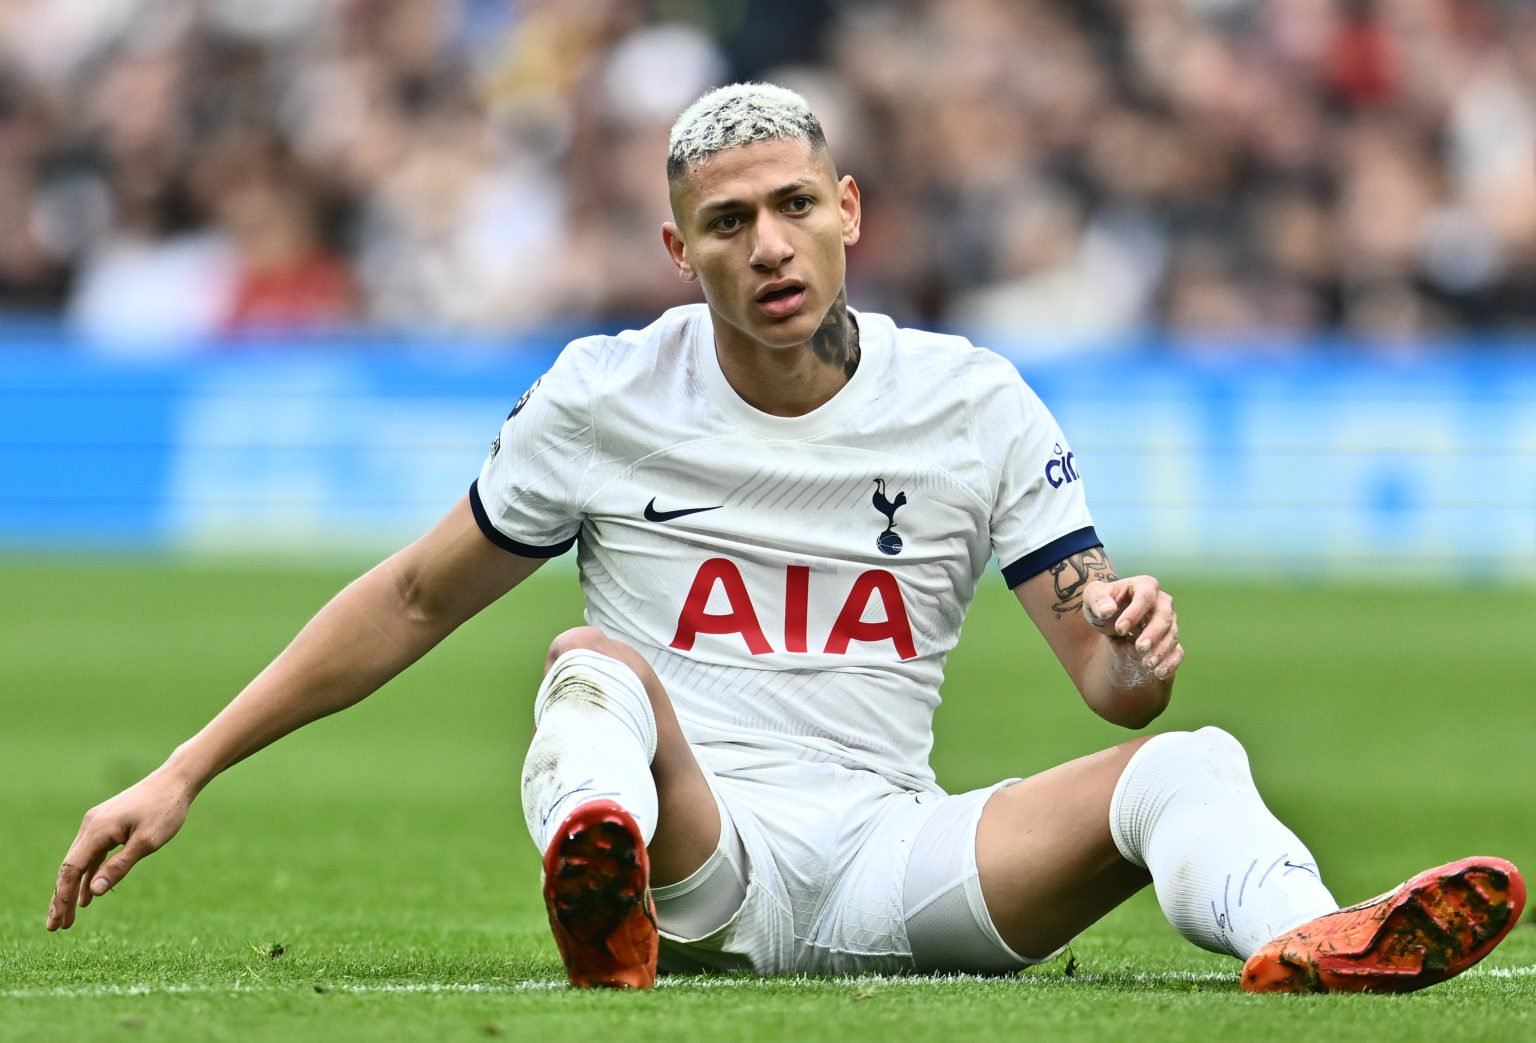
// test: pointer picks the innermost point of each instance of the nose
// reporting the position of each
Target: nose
(770, 243)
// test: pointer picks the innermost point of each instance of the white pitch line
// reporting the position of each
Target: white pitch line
(739, 981)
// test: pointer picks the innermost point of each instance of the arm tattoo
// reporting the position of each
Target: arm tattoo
(836, 341)
(1072, 575)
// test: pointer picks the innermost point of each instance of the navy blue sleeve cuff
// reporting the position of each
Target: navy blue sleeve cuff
(1059, 549)
(506, 542)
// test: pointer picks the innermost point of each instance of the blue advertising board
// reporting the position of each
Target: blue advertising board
(1323, 459)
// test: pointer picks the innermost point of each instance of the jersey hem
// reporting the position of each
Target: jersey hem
(506, 542)
(1037, 561)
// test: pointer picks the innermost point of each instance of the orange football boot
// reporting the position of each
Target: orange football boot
(597, 889)
(1424, 931)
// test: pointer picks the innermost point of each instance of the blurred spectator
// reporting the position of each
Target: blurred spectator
(173, 172)
(286, 276)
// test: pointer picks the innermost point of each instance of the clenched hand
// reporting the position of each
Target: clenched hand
(1137, 609)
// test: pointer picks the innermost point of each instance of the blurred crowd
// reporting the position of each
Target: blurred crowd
(174, 170)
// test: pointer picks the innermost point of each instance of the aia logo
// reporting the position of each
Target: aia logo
(873, 611)
(888, 542)
(1059, 470)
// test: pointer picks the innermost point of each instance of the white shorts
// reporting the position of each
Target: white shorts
(842, 872)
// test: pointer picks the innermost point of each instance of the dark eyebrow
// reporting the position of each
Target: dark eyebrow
(721, 206)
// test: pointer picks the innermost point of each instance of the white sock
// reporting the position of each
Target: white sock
(595, 737)
(1228, 874)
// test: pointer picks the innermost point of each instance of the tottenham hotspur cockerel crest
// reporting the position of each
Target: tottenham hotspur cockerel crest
(888, 541)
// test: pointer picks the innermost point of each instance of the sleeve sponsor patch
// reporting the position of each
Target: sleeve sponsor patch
(524, 400)
(518, 408)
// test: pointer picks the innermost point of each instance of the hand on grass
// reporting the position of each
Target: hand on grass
(1137, 609)
(140, 820)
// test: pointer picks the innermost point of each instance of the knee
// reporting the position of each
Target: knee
(1215, 738)
(1208, 748)
(1220, 751)
(1207, 753)
(1174, 770)
(589, 638)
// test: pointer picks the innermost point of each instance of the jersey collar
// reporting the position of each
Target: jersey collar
(873, 345)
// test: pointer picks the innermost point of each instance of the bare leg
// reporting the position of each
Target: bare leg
(1048, 865)
(1059, 850)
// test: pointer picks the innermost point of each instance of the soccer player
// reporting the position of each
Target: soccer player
(782, 508)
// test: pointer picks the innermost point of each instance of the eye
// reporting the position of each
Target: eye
(725, 223)
(798, 204)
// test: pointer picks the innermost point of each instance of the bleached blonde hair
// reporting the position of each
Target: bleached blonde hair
(740, 114)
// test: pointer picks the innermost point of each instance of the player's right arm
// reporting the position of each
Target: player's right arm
(373, 629)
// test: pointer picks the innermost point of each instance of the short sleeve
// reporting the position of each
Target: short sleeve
(527, 499)
(1039, 512)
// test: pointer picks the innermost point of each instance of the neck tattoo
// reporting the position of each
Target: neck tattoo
(836, 341)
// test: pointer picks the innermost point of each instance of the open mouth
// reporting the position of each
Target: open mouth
(773, 296)
(782, 301)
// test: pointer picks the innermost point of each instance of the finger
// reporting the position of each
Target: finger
(1157, 659)
(61, 907)
(115, 868)
(1098, 603)
(1102, 600)
(86, 876)
(1170, 665)
(1143, 597)
(86, 851)
(1164, 647)
(1155, 629)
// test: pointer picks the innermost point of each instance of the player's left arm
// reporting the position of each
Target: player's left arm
(1118, 638)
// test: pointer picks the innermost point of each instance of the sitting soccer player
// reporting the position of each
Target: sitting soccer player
(782, 509)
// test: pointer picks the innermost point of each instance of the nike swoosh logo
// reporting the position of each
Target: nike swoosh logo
(653, 515)
(585, 787)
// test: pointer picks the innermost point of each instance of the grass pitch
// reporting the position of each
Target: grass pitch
(370, 878)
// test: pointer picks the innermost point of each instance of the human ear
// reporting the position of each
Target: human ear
(678, 251)
(852, 211)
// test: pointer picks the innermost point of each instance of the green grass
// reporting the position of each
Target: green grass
(383, 850)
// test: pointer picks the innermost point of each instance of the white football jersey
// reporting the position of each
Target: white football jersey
(797, 582)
